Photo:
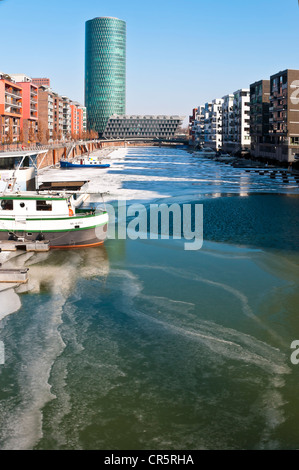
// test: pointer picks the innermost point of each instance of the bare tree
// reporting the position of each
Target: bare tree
(31, 135)
(40, 132)
(9, 137)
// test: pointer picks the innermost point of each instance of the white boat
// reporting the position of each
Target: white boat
(57, 217)
(205, 152)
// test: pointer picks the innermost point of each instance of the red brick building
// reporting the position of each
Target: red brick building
(41, 81)
(11, 104)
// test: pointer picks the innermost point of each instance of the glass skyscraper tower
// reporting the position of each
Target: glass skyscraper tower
(105, 70)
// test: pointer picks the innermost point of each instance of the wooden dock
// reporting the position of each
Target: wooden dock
(25, 245)
(62, 185)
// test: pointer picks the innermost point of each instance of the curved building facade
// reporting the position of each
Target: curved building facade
(105, 71)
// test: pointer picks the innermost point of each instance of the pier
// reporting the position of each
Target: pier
(25, 245)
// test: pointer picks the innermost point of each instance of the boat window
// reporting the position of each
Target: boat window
(43, 205)
(7, 204)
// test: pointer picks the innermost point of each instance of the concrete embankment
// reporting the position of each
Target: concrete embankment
(54, 153)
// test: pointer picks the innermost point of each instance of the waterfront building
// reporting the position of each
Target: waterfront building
(67, 117)
(84, 114)
(154, 127)
(228, 120)
(242, 119)
(284, 116)
(198, 126)
(58, 116)
(11, 104)
(29, 118)
(213, 124)
(259, 116)
(76, 120)
(207, 122)
(239, 137)
(46, 110)
(192, 124)
(41, 81)
(105, 71)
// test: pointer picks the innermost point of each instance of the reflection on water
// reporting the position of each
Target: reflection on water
(142, 345)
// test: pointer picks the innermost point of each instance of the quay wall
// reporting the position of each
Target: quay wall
(55, 152)
(54, 155)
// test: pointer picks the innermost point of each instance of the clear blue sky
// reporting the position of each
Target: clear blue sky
(179, 53)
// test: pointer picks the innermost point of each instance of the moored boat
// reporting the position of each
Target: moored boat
(84, 162)
(60, 218)
(205, 152)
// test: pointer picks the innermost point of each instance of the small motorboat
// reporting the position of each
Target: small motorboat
(90, 162)
(205, 152)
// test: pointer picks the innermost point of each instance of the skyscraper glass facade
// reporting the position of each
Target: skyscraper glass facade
(105, 71)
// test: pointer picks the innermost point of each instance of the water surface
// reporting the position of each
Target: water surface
(140, 344)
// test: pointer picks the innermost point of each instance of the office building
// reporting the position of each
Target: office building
(154, 127)
(105, 71)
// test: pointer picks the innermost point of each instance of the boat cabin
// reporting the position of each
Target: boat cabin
(35, 205)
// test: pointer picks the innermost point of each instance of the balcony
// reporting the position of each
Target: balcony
(13, 92)
(11, 102)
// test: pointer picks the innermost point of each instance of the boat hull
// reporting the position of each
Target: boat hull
(74, 239)
(74, 232)
(83, 165)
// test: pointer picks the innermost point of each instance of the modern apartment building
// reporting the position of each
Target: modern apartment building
(239, 123)
(192, 124)
(58, 116)
(67, 117)
(46, 110)
(198, 126)
(29, 119)
(84, 118)
(41, 81)
(228, 120)
(129, 127)
(224, 123)
(259, 116)
(105, 71)
(11, 105)
(76, 120)
(284, 116)
(213, 124)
